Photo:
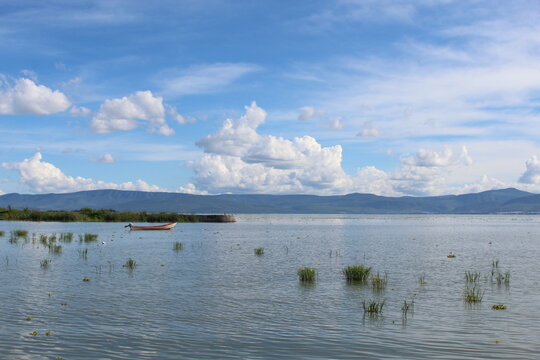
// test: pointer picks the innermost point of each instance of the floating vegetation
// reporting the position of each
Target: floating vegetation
(130, 264)
(28, 318)
(55, 249)
(451, 255)
(259, 251)
(83, 254)
(307, 274)
(48, 333)
(87, 238)
(2, 233)
(20, 233)
(86, 279)
(473, 294)
(358, 273)
(178, 246)
(472, 276)
(373, 307)
(66, 237)
(378, 282)
(422, 279)
(499, 307)
(45, 263)
(406, 307)
(33, 333)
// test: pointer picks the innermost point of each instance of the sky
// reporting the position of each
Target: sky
(394, 98)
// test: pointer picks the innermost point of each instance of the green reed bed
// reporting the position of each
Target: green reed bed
(473, 294)
(45, 263)
(373, 307)
(357, 273)
(88, 238)
(378, 282)
(499, 307)
(20, 233)
(55, 249)
(307, 274)
(259, 251)
(472, 276)
(130, 264)
(66, 237)
(178, 246)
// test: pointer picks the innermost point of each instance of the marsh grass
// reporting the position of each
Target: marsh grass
(178, 246)
(130, 264)
(373, 307)
(88, 238)
(406, 307)
(499, 307)
(473, 294)
(20, 233)
(66, 237)
(13, 239)
(43, 239)
(2, 233)
(422, 279)
(307, 274)
(55, 249)
(52, 238)
(503, 279)
(45, 263)
(83, 254)
(259, 251)
(497, 276)
(472, 276)
(378, 282)
(357, 273)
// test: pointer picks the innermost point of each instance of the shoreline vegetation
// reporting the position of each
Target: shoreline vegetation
(107, 215)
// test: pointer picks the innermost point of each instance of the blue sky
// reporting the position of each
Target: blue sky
(320, 97)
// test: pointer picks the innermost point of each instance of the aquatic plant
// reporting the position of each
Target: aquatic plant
(473, 294)
(55, 249)
(45, 263)
(2, 233)
(307, 274)
(28, 318)
(130, 264)
(422, 279)
(503, 278)
(52, 238)
(43, 239)
(378, 282)
(13, 239)
(48, 333)
(451, 256)
(259, 251)
(499, 307)
(20, 233)
(83, 254)
(177, 246)
(406, 307)
(88, 238)
(66, 237)
(33, 333)
(358, 273)
(373, 307)
(472, 276)
(86, 279)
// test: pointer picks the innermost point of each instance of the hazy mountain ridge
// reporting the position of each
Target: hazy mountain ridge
(493, 201)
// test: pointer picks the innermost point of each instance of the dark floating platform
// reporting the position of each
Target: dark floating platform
(223, 218)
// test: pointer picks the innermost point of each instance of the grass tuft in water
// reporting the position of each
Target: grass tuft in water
(178, 246)
(83, 254)
(378, 282)
(66, 237)
(472, 276)
(20, 233)
(499, 307)
(45, 263)
(55, 249)
(130, 264)
(406, 307)
(307, 274)
(451, 256)
(473, 294)
(503, 279)
(422, 279)
(86, 279)
(373, 307)
(2, 233)
(259, 251)
(87, 238)
(358, 273)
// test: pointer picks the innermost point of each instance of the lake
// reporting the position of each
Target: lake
(216, 299)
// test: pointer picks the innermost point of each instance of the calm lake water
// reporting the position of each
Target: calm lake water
(216, 300)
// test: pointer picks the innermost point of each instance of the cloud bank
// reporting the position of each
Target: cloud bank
(27, 97)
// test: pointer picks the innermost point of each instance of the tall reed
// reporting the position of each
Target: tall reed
(307, 274)
(359, 273)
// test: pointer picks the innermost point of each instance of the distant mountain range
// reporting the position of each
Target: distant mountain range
(487, 202)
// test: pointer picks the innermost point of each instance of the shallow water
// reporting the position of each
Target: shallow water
(215, 299)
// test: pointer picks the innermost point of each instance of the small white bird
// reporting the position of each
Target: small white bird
(103, 243)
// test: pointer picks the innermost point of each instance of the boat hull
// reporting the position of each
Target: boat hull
(155, 227)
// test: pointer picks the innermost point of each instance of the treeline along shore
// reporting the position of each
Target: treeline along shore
(106, 215)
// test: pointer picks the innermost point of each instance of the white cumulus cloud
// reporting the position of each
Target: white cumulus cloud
(125, 113)
(532, 172)
(309, 112)
(27, 97)
(106, 158)
(44, 177)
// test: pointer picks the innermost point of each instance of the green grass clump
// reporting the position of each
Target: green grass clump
(499, 307)
(87, 238)
(2, 233)
(373, 307)
(44, 239)
(259, 251)
(66, 237)
(473, 294)
(358, 273)
(378, 282)
(406, 307)
(472, 276)
(20, 233)
(422, 279)
(177, 246)
(45, 263)
(55, 249)
(86, 279)
(130, 264)
(307, 274)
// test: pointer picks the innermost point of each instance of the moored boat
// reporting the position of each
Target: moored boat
(153, 227)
